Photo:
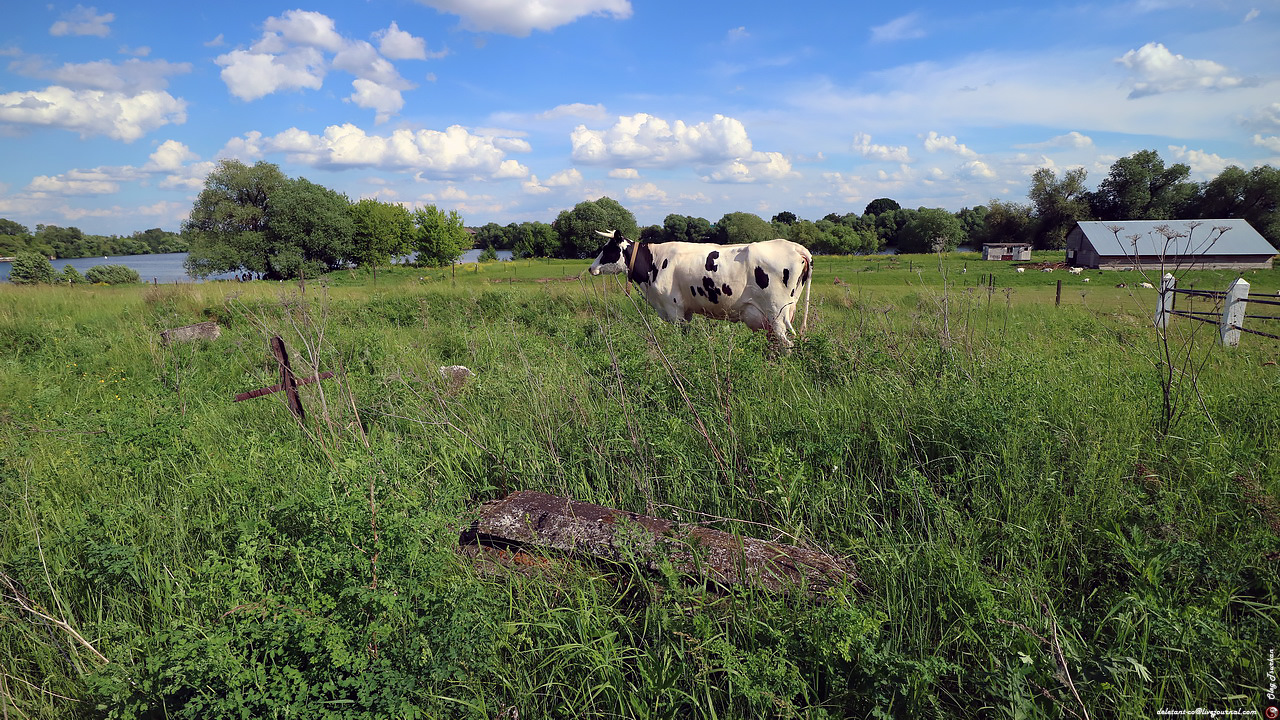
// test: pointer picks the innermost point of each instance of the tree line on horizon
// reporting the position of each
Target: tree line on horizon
(255, 219)
(55, 242)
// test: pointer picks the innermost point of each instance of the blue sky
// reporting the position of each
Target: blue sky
(112, 114)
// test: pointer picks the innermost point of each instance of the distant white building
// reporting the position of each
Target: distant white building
(1006, 251)
(1156, 243)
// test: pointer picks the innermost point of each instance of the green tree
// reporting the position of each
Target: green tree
(974, 222)
(889, 224)
(227, 228)
(493, 235)
(112, 275)
(488, 254)
(686, 228)
(30, 268)
(440, 237)
(930, 230)
(1007, 222)
(737, 228)
(1059, 205)
(379, 232)
(309, 230)
(880, 205)
(1140, 187)
(786, 217)
(534, 239)
(1252, 195)
(577, 227)
(69, 242)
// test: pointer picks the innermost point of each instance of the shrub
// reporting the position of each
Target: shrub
(30, 268)
(488, 254)
(112, 275)
(71, 276)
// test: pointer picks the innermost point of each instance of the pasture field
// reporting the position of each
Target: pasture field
(1030, 540)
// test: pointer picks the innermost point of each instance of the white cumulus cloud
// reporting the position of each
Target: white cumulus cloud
(884, 153)
(1203, 164)
(1156, 70)
(397, 44)
(1270, 142)
(82, 20)
(251, 75)
(625, 173)
(944, 143)
(433, 154)
(386, 101)
(565, 178)
(521, 17)
(93, 112)
(300, 27)
(648, 141)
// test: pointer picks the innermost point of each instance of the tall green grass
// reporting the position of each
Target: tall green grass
(992, 463)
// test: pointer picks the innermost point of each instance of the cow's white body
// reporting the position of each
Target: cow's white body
(758, 284)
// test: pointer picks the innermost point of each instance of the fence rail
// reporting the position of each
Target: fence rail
(1230, 320)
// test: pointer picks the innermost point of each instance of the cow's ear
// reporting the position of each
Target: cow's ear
(609, 234)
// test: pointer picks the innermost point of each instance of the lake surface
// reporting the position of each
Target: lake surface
(167, 267)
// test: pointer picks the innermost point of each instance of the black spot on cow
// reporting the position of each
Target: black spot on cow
(726, 290)
(786, 275)
(711, 260)
(664, 263)
(611, 253)
(643, 270)
(695, 290)
(762, 278)
(712, 292)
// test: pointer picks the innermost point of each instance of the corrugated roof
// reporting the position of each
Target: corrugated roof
(1193, 237)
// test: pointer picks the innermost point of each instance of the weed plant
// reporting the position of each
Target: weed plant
(1028, 542)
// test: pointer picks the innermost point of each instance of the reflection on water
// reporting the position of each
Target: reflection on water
(167, 267)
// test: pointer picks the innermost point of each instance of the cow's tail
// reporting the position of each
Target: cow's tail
(808, 285)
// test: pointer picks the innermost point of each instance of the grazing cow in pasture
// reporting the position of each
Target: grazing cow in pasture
(1147, 285)
(1075, 271)
(758, 284)
(1022, 270)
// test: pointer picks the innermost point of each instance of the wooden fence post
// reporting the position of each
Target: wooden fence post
(1233, 307)
(1057, 298)
(1164, 301)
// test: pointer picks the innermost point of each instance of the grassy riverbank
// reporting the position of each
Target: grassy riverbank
(1030, 543)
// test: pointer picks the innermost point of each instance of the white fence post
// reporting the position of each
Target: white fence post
(1164, 301)
(1233, 306)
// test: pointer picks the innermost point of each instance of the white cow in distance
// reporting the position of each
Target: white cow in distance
(757, 284)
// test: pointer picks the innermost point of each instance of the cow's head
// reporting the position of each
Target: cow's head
(612, 258)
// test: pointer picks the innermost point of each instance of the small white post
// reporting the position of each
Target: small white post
(1233, 306)
(1164, 301)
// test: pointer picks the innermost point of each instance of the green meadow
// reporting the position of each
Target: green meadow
(1036, 532)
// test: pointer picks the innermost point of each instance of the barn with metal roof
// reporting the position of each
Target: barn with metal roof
(1153, 244)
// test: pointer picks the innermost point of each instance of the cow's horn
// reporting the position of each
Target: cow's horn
(602, 233)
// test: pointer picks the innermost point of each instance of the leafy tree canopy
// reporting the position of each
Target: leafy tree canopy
(880, 205)
(737, 228)
(228, 223)
(1140, 187)
(577, 227)
(930, 230)
(440, 237)
(1059, 205)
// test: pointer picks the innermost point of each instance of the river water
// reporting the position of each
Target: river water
(167, 267)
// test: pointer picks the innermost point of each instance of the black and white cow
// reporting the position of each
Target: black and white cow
(758, 284)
